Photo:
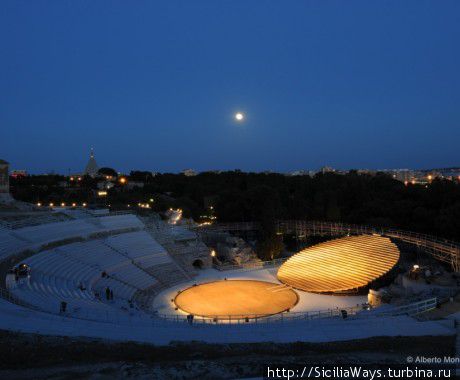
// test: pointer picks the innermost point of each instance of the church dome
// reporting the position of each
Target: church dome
(91, 167)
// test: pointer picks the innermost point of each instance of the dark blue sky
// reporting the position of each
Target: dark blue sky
(154, 85)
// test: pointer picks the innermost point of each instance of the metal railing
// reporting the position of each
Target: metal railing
(262, 318)
(112, 213)
(411, 309)
(251, 265)
(358, 311)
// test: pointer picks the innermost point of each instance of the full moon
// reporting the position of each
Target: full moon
(239, 116)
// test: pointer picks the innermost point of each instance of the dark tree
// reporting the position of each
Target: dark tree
(107, 172)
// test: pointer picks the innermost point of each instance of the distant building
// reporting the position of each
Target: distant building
(107, 185)
(189, 172)
(403, 175)
(133, 184)
(366, 172)
(63, 184)
(452, 174)
(327, 169)
(434, 174)
(18, 173)
(5, 196)
(296, 173)
(4, 177)
(413, 177)
(91, 167)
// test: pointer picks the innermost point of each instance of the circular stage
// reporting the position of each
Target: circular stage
(236, 299)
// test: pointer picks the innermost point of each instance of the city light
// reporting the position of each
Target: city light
(213, 253)
(123, 180)
(39, 204)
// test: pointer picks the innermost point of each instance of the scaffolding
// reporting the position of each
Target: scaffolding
(441, 249)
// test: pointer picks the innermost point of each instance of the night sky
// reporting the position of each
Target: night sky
(155, 85)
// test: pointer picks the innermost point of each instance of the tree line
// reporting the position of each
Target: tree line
(233, 196)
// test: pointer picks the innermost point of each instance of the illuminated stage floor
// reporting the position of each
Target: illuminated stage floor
(308, 302)
(236, 298)
(341, 265)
